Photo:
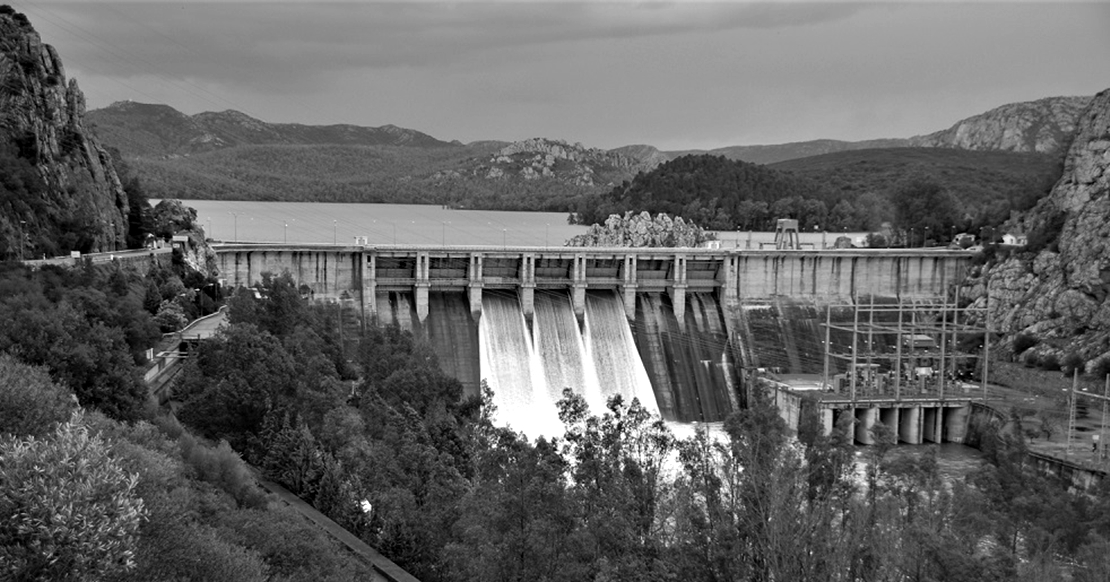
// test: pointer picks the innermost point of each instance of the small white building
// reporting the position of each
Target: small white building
(1015, 239)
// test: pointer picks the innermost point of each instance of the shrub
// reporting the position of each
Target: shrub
(68, 511)
(31, 404)
(1030, 359)
(1100, 368)
(1071, 363)
(1022, 342)
(1050, 362)
(222, 467)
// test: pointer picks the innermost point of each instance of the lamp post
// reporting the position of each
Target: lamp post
(236, 216)
(22, 238)
(335, 232)
(504, 234)
(209, 227)
(112, 226)
(925, 241)
(910, 243)
(286, 232)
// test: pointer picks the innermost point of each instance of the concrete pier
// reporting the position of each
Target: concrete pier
(865, 421)
(909, 425)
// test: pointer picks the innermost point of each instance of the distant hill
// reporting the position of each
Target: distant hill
(987, 184)
(852, 190)
(769, 154)
(1045, 126)
(230, 155)
(149, 130)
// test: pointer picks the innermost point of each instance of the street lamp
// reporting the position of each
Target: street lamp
(286, 231)
(22, 238)
(503, 235)
(236, 215)
(334, 232)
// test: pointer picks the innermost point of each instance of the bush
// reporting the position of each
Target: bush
(1100, 368)
(1022, 342)
(31, 404)
(1071, 363)
(1050, 362)
(1030, 359)
(222, 467)
(68, 511)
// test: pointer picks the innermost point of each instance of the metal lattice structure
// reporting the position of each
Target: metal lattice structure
(905, 349)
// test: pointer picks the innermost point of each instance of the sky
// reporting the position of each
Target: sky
(676, 75)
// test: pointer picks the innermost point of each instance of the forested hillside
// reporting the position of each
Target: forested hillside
(855, 191)
(987, 185)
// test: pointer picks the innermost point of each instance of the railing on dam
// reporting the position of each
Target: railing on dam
(356, 272)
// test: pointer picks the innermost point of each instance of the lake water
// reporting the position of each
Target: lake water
(321, 222)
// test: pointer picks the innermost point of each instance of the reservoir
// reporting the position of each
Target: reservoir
(415, 224)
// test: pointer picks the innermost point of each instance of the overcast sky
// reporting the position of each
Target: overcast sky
(676, 75)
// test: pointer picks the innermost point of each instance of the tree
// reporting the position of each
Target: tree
(68, 511)
(923, 208)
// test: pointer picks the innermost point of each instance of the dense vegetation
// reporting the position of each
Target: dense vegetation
(339, 173)
(940, 192)
(113, 490)
(617, 496)
(455, 497)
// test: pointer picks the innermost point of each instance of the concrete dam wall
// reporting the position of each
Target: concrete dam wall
(670, 327)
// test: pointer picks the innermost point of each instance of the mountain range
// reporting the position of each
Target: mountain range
(230, 155)
(154, 130)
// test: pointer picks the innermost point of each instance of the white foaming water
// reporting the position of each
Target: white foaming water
(512, 368)
(559, 345)
(612, 350)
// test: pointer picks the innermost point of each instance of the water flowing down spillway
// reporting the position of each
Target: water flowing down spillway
(561, 349)
(690, 365)
(511, 366)
(612, 351)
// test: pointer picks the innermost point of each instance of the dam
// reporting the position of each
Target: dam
(677, 328)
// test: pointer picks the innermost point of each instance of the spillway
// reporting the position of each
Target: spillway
(612, 351)
(511, 366)
(560, 347)
(689, 364)
(453, 336)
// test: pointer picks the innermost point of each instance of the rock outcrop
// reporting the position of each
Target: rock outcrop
(538, 158)
(69, 196)
(1044, 126)
(1059, 293)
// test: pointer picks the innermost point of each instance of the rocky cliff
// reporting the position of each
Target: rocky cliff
(1059, 293)
(58, 187)
(1044, 126)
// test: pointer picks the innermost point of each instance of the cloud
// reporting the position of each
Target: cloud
(285, 47)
